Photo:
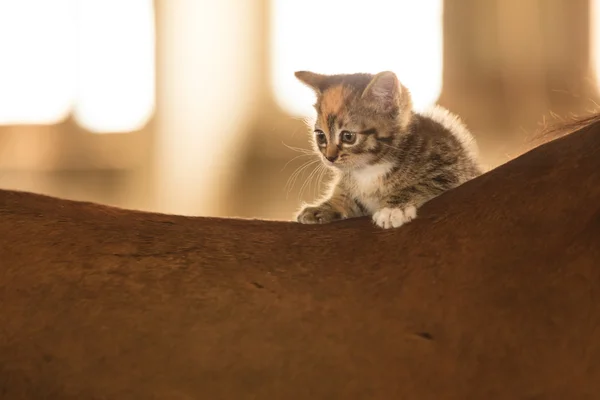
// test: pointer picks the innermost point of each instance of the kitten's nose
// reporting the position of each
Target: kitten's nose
(331, 158)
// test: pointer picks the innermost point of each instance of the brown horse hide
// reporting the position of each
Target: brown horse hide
(493, 292)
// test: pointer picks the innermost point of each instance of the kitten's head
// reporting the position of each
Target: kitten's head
(358, 116)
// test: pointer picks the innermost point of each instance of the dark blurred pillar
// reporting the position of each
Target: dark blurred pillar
(508, 63)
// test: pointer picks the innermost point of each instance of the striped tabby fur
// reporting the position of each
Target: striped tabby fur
(387, 159)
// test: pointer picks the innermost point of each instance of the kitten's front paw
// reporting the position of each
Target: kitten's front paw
(394, 217)
(317, 215)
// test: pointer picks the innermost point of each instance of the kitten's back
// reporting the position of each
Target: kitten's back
(453, 124)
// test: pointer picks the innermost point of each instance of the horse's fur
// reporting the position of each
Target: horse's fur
(492, 293)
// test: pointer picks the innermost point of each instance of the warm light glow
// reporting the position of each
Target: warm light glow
(595, 38)
(36, 61)
(346, 36)
(115, 63)
(94, 58)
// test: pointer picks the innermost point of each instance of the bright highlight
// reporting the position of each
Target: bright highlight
(346, 36)
(92, 58)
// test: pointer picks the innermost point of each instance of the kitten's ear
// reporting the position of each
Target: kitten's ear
(384, 89)
(311, 79)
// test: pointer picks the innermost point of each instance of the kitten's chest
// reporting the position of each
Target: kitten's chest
(370, 184)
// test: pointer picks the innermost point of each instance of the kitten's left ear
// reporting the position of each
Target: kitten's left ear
(311, 79)
(384, 89)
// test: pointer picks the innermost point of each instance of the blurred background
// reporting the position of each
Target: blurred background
(191, 106)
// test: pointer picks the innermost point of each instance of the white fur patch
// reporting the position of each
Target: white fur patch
(368, 179)
(453, 123)
(387, 218)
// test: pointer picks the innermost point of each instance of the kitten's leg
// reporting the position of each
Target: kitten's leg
(394, 217)
(337, 207)
(401, 207)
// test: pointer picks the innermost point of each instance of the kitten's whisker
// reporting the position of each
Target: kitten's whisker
(317, 179)
(295, 158)
(298, 149)
(320, 179)
(301, 172)
(316, 185)
(296, 171)
(292, 179)
(308, 180)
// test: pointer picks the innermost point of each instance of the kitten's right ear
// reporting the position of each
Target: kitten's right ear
(386, 93)
(311, 79)
(384, 89)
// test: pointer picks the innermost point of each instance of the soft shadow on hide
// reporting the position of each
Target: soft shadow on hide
(492, 293)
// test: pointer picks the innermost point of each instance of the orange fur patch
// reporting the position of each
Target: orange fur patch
(332, 102)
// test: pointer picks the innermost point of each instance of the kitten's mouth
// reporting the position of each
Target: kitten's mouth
(339, 163)
(330, 163)
(336, 163)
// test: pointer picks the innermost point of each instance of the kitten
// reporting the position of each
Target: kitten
(388, 160)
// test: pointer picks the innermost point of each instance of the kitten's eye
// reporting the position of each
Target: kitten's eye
(348, 137)
(320, 137)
